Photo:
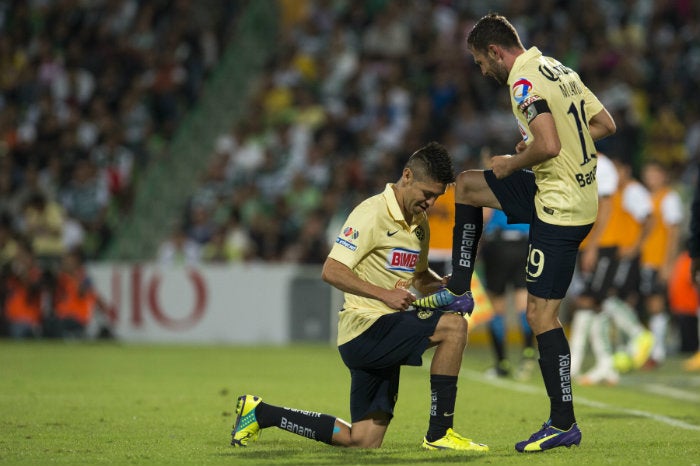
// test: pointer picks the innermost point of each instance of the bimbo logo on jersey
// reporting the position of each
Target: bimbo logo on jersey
(403, 260)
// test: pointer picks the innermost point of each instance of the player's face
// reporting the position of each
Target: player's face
(423, 195)
(491, 66)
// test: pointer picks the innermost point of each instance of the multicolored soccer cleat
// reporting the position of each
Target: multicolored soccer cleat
(453, 441)
(446, 301)
(246, 428)
(550, 437)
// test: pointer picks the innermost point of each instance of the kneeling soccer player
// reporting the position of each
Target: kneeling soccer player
(381, 252)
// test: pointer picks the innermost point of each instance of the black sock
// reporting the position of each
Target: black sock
(555, 363)
(308, 424)
(469, 222)
(443, 392)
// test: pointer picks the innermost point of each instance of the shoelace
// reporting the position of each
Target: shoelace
(459, 437)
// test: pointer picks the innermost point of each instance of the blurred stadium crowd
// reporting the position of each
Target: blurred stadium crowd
(93, 91)
(356, 87)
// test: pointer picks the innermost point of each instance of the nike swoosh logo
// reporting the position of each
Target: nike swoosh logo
(391, 233)
(529, 280)
(449, 414)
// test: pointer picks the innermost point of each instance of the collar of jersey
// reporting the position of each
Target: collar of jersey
(395, 210)
(532, 52)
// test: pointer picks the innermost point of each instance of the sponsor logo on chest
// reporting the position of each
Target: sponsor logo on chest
(402, 260)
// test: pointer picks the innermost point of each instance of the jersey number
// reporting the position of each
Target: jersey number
(580, 120)
(535, 258)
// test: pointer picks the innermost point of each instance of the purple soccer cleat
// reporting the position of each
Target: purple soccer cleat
(549, 437)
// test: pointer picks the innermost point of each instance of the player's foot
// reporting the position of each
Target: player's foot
(446, 301)
(651, 364)
(501, 370)
(453, 441)
(692, 363)
(600, 375)
(246, 428)
(642, 345)
(527, 366)
(549, 437)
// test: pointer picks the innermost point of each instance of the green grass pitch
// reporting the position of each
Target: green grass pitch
(108, 403)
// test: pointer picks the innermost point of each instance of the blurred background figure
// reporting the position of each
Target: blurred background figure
(23, 293)
(659, 253)
(75, 300)
(179, 249)
(503, 255)
(595, 271)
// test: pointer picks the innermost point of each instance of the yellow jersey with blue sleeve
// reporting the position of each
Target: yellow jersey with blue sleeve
(381, 247)
(567, 192)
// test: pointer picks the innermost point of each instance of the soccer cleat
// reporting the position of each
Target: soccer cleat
(527, 366)
(453, 441)
(549, 437)
(642, 345)
(600, 374)
(501, 370)
(446, 301)
(692, 363)
(246, 427)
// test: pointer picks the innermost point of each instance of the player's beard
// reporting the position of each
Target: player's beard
(499, 72)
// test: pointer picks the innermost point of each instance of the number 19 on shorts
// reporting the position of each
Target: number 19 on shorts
(535, 262)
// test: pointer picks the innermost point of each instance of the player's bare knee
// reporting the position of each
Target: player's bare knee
(471, 188)
(456, 327)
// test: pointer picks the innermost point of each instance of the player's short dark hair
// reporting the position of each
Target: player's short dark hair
(493, 29)
(433, 162)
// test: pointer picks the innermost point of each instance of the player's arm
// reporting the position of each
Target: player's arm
(601, 125)
(343, 278)
(545, 144)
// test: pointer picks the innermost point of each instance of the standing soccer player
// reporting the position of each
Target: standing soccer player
(559, 119)
(381, 252)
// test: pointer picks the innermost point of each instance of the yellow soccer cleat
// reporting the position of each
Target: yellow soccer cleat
(453, 441)
(246, 428)
(642, 344)
(692, 363)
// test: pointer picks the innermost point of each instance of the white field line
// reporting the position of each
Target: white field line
(670, 392)
(529, 389)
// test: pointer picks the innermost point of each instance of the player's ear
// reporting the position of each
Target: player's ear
(407, 174)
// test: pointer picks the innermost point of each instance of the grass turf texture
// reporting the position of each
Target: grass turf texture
(107, 403)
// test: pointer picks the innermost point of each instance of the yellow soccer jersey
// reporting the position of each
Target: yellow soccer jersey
(567, 191)
(380, 247)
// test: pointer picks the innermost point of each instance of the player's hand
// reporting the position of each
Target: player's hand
(398, 298)
(502, 165)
